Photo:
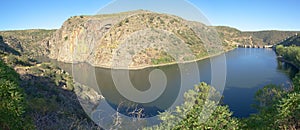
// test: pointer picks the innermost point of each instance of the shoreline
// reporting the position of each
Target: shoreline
(164, 64)
(150, 66)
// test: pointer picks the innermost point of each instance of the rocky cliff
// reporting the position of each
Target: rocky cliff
(147, 36)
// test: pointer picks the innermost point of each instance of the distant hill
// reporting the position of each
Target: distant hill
(28, 42)
(271, 37)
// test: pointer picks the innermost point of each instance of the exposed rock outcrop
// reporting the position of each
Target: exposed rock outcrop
(98, 39)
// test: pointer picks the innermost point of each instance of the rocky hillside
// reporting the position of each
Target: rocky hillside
(49, 100)
(97, 39)
(28, 42)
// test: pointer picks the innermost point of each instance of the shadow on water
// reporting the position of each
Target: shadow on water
(140, 80)
(288, 69)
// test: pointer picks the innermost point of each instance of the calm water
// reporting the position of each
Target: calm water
(248, 69)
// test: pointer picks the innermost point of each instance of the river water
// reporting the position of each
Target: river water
(248, 69)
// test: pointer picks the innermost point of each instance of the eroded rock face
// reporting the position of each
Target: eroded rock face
(98, 39)
(76, 40)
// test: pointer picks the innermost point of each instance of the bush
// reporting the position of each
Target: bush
(278, 109)
(289, 112)
(12, 60)
(12, 103)
(192, 114)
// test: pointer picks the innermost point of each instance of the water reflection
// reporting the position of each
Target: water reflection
(248, 69)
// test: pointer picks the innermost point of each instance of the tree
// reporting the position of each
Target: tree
(194, 112)
(279, 50)
(277, 109)
(268, 97)
(289, 112)
(12, 102)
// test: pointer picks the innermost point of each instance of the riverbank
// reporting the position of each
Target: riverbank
(164, 64)
(145, 66)
(280, 58)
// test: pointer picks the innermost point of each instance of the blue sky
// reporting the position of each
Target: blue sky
(246, 15)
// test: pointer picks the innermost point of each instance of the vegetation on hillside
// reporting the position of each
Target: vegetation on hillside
(278, 108)
(30, 42)
(234, 36)
(12, 103)
(290, 53)
(272, 37)
(38, 96)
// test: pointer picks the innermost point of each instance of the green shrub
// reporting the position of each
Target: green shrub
(192, 114)
(12, 103)
(12, 60)
(289, 112)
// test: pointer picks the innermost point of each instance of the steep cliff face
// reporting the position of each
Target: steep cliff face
(142, 36)
(81, 33)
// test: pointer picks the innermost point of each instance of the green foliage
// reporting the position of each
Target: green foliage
(280, 49)
(199, 111)
(12, 103)
(296, 83)
(291, 54)
(278, 109)
(24, 60)
(268, 95)
(126, 20)
(70, 85)
(43, 105)
(289, 112)
(35, 70)
(163, 58)
(12, 60)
